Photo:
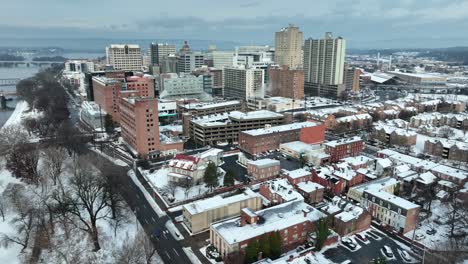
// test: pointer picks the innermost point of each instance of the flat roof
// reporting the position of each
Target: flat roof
(278, 129)
(274, 218)
(201, 206)
(262, 163)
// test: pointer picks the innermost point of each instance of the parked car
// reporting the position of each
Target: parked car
(362, 237)
(387, 251)
(405, 255)
(348, 242)
(431, 231)
(347, 262)
(420, 236)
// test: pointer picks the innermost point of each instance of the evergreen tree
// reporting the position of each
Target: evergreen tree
(229, 178)
(210, 177)
(251, 251)
(265, 246)
(275, 245)
(322, 233)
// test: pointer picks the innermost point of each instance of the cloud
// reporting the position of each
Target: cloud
(364, 23)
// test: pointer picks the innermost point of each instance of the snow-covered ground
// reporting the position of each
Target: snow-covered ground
(159, 180)
(11, 254)
(191, 255)
(20, 113)
(148, 197)
(439, 211)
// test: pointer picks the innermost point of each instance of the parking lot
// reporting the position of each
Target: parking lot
(287, 163)
(365, 253)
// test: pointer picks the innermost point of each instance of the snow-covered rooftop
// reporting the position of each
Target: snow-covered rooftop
(274, 218)
(393, 199)
(204, 106)
(298, 173)
(217, 202)
(260, 114)
(282, 128)
(357, 161)
(284, 189)
(263, 163)
(309, 186)
(344, 141)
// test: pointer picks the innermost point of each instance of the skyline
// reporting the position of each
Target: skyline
(363, 23)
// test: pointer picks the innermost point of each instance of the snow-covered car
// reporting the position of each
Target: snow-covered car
(405, 255)
(387, 251)
(420, 236)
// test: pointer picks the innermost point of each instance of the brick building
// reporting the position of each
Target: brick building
(343, 148)
(263, 168)
(311, 191)
(352, 219)
(294, 221)
(279, 191)
(269, 138)
(393, 135)
(286, 82)
(447, 149)
(297, 176)
(140, 126)
(333, 184)
(106, 94)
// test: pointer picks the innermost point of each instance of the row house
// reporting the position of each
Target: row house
(459, 121)
(447, 149)
(333, 184)
(391, 210)
(279, 191)
(394, 136)
(343, 148)
(311, 191)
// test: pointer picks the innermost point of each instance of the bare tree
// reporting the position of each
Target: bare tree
(139, 250)
(457, 216)
(11, 137)
(22, 162)
(186, 184)
(85, 200)
(53, 162)
(170, 188)
(24, 220)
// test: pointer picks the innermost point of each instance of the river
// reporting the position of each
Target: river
(21, 72)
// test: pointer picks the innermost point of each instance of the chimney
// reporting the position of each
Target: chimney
(305, 211)
(248, 217)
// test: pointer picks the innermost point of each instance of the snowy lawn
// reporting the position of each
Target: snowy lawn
(434, 241)
(159, 181)
(11, 254)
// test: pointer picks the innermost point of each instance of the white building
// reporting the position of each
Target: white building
(243, 83)
(81, 66)
(92, 115)
(288, 47)
(124, 57)
(222, 59)
(189, 61)
(176, 86)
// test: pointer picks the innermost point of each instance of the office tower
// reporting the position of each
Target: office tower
(189, 60)
(140, 125)
(169, 64)
(222, 59)
(324, 66)
(242, 83)
(286, 82)
(351, 79)
(288, 45)
(124, 57)
(160, 50)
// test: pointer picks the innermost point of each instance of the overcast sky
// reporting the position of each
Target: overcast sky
(363, 23)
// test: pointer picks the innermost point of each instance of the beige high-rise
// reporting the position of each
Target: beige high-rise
(288, 45)
(324, 66)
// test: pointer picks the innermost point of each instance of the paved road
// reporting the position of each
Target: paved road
(166, 245)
